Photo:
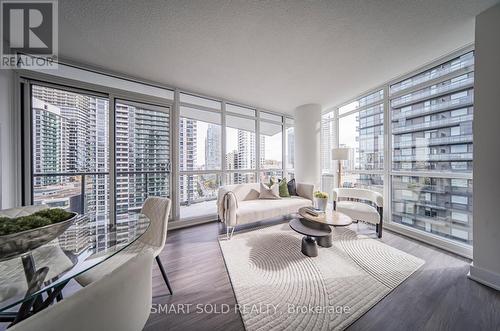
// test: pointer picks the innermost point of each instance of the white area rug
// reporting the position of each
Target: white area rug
(278, 288)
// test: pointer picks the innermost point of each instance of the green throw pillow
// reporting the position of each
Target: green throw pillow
(283, 188)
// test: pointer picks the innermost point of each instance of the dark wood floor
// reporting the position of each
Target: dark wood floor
(439, 296)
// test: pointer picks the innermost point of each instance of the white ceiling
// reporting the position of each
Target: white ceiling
(271, 54)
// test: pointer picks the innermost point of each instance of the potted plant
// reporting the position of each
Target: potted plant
(320, 200)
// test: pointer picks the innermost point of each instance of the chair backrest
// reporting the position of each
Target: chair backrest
(120, 300)
(359, 193)
(157, 210)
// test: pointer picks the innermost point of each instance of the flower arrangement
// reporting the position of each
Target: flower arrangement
(320, 195)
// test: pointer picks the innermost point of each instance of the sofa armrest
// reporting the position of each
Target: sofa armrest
(306, 191)
(227, 205)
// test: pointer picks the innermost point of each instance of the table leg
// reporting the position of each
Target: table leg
(309, 247)
(325, 241)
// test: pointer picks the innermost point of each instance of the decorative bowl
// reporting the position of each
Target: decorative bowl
(16, 244)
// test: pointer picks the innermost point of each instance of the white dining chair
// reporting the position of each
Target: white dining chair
(118, 301)
(157, 210)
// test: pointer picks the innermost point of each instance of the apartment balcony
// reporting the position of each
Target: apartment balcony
(433, 157)
(424, 142)
(439, 107)
(436, 220)
(446, 122)
(427, 93)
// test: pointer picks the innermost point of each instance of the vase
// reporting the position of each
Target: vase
(321, 203)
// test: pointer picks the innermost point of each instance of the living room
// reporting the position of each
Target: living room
(249, 165)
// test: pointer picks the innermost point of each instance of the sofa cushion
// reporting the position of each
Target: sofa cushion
(359, 211)
(269, 192)
(283, 188)
(256, 210)
(292, 187)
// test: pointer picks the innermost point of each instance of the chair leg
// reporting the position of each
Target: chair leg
(164, 274)
(229, 232)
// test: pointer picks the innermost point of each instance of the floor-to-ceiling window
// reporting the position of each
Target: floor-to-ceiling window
(241, 145)
(431, 123)
(200, 155)
(103, 149)
(271, 146)
(421, 159)
(361, 129)
(290, 148)
(142, 154)
(70, 150)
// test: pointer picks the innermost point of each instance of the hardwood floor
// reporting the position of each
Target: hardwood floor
(439, 296)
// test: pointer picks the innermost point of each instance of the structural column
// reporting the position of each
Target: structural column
(486, 223)
(307, 144)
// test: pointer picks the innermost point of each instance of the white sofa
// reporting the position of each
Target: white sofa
(361, 205)
(240, 204)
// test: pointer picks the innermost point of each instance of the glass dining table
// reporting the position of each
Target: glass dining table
(34, 280)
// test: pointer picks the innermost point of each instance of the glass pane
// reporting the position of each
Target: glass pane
(133, 189)
(328, 142)
(199, 145)
(271, 142)
(441, 206)
(361, 102)
(198, 195)
(368, 181)
(363, 133)
(240, 178)
(265, 176)
(195, 100)
(271, 117)
(142, 137)
(458, 63)
(432, 132)
(240, 148)
(202, 115)
(465, 80)
(240, 110)
(327, 183)
(97, 194)
(70, 131)
(290, 148)
(59, 192)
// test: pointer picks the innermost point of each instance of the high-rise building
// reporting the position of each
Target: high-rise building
(213, 147)
(432, 133)
(187, 158)
(82, 147)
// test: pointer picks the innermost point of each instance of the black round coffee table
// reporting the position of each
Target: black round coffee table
(313, 233)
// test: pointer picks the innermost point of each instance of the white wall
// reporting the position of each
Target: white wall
(307, 144)
(7, 145)
(486, 265)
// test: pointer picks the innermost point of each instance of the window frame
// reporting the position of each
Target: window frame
(388, 172)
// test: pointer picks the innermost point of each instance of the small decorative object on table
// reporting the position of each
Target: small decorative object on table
(22, 234)
(320, 200)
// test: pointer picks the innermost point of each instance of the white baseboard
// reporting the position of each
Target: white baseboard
(484, 276)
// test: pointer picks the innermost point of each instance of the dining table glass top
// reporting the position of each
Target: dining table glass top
(89, 241)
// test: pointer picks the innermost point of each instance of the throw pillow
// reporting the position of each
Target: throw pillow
(267, 192)
(292, 188)
(283, 188)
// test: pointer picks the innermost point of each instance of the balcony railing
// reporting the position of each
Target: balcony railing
(428, 92)
(424, 142)
(433, 157)
(432, 124)
(442, 106)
